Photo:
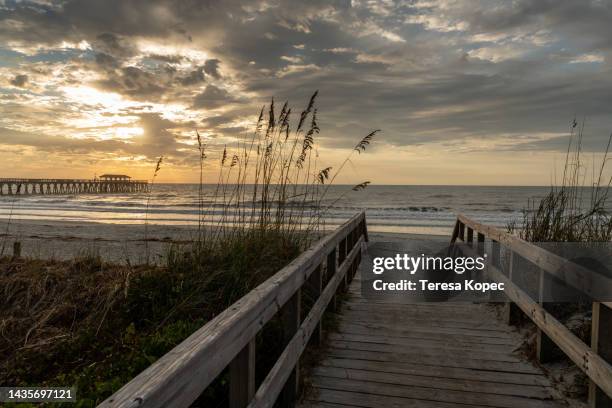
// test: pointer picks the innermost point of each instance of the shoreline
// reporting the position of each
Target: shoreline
(118, 243)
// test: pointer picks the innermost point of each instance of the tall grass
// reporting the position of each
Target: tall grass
(270, 185)
(578, 209)
(146, 220)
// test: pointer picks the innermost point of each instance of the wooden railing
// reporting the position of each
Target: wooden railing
(595, 360)
(180, 376)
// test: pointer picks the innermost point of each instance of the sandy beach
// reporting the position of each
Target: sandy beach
(114, 242)
(48, 239)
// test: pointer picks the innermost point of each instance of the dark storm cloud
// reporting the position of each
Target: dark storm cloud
(424, 71)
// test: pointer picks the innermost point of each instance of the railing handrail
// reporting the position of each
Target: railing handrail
(62, 180)
(594, 285)
(588, 358)
(182, 374)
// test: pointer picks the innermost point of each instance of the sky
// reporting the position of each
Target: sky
(464, 91)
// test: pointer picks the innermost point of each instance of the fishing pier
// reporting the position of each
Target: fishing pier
(105, 184)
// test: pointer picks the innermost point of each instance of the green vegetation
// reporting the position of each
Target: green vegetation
(96, 325)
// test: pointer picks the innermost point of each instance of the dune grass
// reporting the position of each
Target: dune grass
(576, 210)
(96, 325)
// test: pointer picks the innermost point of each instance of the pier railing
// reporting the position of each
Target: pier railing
(593, 360)
(22, 186)
(179, 377)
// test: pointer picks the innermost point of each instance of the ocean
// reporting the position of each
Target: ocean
(397, 209)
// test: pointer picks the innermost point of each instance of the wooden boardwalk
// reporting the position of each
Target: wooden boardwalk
(386, 354)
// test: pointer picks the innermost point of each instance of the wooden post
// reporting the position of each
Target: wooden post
(470, 236)
(16, 249)
(242, 377)
(481, 240)
(495, 255)
(455, 232)
(331, 271)
(512, 313)
(291, 318)
(316, 284)
(545, 347)
(462, 231)
(601, 343)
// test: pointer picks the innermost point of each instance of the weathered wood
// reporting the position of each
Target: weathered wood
(495, 254)
(291, 318)
(545, 346)
(512, 313)
(181, 375)
(428, 394)
(16, 249)
(594, 366)
(470, 236)
(438, 371)
(440, 335)
(596, 286)
(455, 233)
(424, 359)
(601, 343)
(242, 377)
(332, 264)
(441, 383)
(270, 388)
(316, 287)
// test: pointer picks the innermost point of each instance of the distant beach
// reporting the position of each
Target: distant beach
(62, 226)
(404, 209)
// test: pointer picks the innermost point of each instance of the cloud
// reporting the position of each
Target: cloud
(426, 71)
(586, 58)
(212, 98)
(19, 80)
(211, 67)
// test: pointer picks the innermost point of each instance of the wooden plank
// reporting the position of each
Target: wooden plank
(331, 266)
(362, 400)
(601, 344)
(512, 313)
(291, 316)
(432, 335)
(389, 339)
(407, 320)
(316, 287)
(417, 309)
(439, 371)
(440, 383)
(267, 393)
(445, 354)
(429, 394)
(242, 377)
(181, 375)
(436, 330)
(423, 359)
(545, 346)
